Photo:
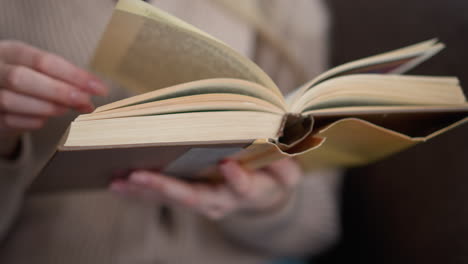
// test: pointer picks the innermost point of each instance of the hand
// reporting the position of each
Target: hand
(36, 85)
(259, 190)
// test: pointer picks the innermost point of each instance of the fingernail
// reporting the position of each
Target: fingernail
(97, 87)
(176, 192)
(139, 178)
(78, 99)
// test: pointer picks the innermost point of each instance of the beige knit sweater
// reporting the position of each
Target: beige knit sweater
(100, 227)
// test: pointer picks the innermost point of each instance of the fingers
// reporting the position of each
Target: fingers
(48, 78)
(57, 67)
(264, 189)
(214, 202)
(12, 122)
(287, 171)
(14, 103)
(259, 190)
(236, 177)
(28, 82)
(176, 190)
(18, 53)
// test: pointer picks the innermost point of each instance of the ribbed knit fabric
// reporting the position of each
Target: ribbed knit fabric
(100, 227)
(69, 28)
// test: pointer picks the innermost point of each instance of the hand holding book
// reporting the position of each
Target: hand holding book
(207, 102)
(36, 85)
(252, 191)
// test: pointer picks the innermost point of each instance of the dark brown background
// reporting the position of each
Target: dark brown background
(413, 207)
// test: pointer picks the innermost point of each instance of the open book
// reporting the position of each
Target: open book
(208, 102)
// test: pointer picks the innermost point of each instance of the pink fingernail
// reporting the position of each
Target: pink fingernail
(139, 178)
(77, 98)
(97, 87)
(175, 191)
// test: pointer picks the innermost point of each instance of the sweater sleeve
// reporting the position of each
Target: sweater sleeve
(35, 150)
(306, 224)
(14, 177)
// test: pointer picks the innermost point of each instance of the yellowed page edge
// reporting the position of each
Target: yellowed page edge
(253, 89)
(424, 50)
(195, 103)
(175, 128)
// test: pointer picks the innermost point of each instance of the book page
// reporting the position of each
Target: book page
(182, 128)
(188, 104)
(146, 49)
(393, 62)
(209, 86)
(377, 89)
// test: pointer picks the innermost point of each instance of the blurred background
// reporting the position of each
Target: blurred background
(412, 207)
